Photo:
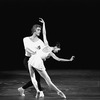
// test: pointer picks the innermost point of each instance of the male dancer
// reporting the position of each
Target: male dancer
(35, 45)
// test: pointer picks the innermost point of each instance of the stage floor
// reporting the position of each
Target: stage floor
(76, 84)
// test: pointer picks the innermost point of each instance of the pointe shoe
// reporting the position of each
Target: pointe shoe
(61, 94)
(39, 94)
(21, 91)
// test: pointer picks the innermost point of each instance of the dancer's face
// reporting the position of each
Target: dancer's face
(56, 49)
(38, 30)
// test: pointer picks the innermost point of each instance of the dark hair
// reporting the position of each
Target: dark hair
(58, 44)
(34, 28)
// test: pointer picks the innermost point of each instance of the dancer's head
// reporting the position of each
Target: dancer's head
(36, 29)
(56, 49)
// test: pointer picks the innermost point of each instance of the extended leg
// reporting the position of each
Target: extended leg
(37, 75)
(29, 83)
(44, 74)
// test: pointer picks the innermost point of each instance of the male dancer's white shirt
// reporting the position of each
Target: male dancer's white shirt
(34, 46)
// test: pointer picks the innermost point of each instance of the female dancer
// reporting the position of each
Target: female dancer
(36, 61)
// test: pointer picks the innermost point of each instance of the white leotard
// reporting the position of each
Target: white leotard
(37, 60)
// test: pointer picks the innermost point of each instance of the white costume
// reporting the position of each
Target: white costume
(37, 60)
(41, 50)
(34, 46)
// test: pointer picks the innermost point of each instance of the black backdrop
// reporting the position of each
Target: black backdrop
(72, 23)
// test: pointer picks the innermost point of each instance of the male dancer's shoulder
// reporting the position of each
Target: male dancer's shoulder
(25, 38)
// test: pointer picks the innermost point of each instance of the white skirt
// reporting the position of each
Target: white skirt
(36, 62)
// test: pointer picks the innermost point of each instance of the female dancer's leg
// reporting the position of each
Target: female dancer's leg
(29, 83)
(41, 70)
(35, 83)
(44, 74)
(33, 78)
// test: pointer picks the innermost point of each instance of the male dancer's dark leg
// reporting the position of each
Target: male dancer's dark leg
(29, 84)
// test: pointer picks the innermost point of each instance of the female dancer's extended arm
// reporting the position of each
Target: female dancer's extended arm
(44, 32)
(60, 59)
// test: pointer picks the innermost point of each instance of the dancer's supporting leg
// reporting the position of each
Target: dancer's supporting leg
(37, 75)
(29, 83)
(34, 81)
(33, 78)
(44, 74)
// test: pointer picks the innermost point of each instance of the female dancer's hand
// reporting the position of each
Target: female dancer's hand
(41, 20)
(72, 58)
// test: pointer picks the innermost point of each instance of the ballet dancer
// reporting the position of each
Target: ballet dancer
(36, 61)
(34, 43)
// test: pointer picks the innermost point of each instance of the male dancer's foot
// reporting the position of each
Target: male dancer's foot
(39, 94)
(61, 94)
(21, 91)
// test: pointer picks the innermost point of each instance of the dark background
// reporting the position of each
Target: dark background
(72, 23)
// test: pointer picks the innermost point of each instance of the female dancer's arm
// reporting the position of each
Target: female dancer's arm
(44, 32)
(60, 59)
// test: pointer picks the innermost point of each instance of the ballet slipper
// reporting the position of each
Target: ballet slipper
(61, 94)
(39, 94)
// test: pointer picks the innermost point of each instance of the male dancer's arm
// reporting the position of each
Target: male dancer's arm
(60, 59)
